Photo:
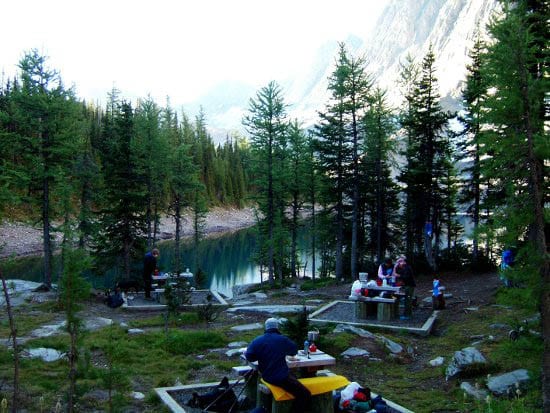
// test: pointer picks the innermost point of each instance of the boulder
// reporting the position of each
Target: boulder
(46, 354)
(341, 328)
(248, 327)
(462, 359)
(355, 352)
(438, 361)
(476, 393)
(507, 384)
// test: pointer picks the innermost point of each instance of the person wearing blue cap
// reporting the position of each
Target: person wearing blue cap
(270, 351)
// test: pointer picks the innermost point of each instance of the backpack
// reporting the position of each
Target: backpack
(220, 399)
(114, 300)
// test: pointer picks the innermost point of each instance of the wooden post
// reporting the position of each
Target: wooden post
(384, 311)
(322, 403)
(360, 309)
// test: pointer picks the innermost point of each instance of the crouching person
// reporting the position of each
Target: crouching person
(270, 351)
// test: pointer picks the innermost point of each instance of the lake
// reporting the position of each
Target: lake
(227, 260)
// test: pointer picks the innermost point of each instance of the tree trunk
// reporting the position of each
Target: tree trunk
(313, 237)
(177, 219)
(536, 185)
(293, 247)
(13, 333)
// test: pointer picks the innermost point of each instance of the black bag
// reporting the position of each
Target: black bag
(114, 300)
(221, 399)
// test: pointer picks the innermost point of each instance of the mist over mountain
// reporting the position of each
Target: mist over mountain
(406, 27)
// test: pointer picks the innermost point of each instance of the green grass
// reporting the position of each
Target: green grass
(157, 359)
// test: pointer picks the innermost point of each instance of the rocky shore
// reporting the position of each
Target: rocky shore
(20, 239)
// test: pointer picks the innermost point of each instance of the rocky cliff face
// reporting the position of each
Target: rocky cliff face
(405, 27)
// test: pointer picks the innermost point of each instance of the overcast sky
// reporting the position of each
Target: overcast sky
(174, 48)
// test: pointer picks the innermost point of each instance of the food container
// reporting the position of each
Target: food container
(313, 335)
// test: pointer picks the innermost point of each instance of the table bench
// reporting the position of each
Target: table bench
(321, 388)
(384, 308)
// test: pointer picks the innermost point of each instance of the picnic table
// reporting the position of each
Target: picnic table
(385, 306)
(280, 401)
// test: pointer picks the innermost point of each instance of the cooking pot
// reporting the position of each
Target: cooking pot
(313, 335)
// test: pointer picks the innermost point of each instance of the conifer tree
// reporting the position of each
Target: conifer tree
(267, 125)
(122, 230)
(516, 147)
(151, 154)
(426, 153)
(296, 186)
(380, 192)
(47, 123)
(473, 195)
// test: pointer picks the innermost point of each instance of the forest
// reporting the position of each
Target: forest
(372, 180)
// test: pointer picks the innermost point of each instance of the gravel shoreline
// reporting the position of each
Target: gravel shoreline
(19, 239)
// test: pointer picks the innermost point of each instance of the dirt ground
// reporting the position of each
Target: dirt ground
(22, 239)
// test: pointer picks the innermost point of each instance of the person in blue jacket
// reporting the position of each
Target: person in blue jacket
(270, 351)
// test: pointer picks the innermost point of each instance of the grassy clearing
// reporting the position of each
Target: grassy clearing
(158, 359)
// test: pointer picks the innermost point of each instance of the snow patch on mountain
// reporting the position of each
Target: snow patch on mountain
(406, 27)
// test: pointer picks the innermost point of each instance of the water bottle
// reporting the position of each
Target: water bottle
(306, 348)
(436, 287)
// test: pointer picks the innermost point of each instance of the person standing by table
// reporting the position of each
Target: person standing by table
(405, 273)
(385, 270)
(270, 351)
(149, 267)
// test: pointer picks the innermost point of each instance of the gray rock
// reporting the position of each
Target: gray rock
(242, 289)
(136, 395)
(462, 359)
(237, 344)
(46, 354)
(471, 309)
(506, 384)
(135, 331)
(48, 330)
(500, 326)
(271, 309)
(478, 394)
(345, 328)
(355, 352)
(392, 346)
(259, 296)
(248, 327)
(97, 323)
(242, 303)
(438, 361)
(123, 325)
(314, 302)
(233, 352)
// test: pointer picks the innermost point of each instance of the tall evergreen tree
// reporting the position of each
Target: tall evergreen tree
(151, 154)
(267, 125)
(380, 192)
(426, 152)
(297, 184)
(472, 118)
(122, 229)
(47, 124)
(336, 153)
(516, 147)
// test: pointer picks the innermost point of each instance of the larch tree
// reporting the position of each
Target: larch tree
(121, 235)
(380, 194)
(517, 150)
(426, 153)
(47, 119)
(268, 127)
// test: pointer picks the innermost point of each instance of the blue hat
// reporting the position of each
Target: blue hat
(271, 323)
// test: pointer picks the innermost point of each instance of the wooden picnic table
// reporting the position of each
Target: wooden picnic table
(305, 365)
